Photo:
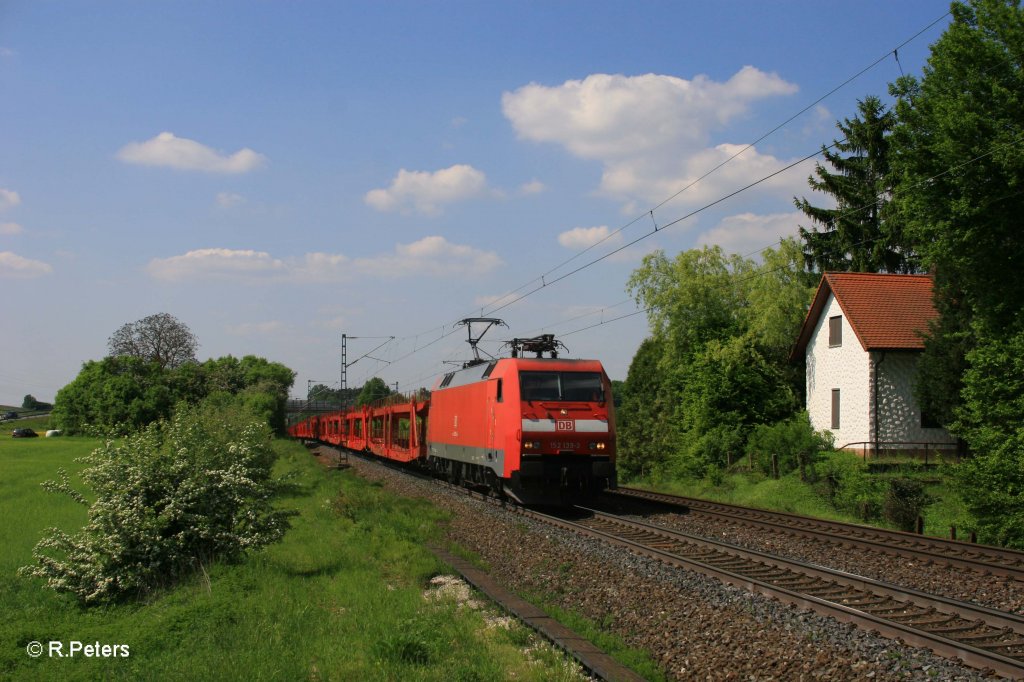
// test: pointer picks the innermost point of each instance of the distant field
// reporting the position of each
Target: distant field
(339, 599)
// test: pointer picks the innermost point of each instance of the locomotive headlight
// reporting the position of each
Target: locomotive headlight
(597, 446)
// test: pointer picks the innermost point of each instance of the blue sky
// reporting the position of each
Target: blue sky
(275, 174)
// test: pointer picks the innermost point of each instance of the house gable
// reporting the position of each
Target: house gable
(886, 312)
(861, 339)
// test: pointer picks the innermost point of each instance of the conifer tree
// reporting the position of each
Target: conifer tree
(857, 235)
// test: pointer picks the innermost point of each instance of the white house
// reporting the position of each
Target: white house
(861, 340)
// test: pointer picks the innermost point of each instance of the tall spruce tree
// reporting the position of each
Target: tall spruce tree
(858, 234)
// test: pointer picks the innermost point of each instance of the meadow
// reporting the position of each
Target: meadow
(340, 598)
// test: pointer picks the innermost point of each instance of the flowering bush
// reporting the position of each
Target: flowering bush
(168, 499)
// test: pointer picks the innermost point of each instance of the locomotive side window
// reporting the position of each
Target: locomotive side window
(566, 386)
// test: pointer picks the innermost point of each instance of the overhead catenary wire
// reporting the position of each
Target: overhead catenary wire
(1018, 141)
(852, 211)
(650, 212)
(543, 277)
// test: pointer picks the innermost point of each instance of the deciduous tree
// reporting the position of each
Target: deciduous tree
(374, 389)
(159, 338)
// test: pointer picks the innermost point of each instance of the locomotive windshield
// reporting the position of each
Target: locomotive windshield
(564, 386)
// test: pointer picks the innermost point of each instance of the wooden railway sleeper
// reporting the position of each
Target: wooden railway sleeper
(926, 624)
(966, 627)
(889, 613)
(888, 606)
(835, 593)
(976, 639)
(871, 600)
(732, 562)
(755, 571)
(805, 584)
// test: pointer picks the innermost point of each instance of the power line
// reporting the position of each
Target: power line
(1018, 141)
(543, 278)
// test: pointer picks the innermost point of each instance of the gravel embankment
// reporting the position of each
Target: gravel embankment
(694, 626)
(1005, 594)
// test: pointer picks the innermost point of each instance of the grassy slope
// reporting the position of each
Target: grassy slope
(789, 494)
(340, 598)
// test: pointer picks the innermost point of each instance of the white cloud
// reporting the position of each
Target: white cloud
(178, 152)
(16, 267)
(433, 256)
(426, 192)
(229, 199)
(580, 238)
(654, 182)
(11, 228)
(746, 232)
(8, 199)
(532, 187)
(321, 267)
(650, 132)
(216, 263)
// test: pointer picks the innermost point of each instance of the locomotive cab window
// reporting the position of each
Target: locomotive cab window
(561, 386)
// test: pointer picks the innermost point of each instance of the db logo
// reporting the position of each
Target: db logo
(565, 425)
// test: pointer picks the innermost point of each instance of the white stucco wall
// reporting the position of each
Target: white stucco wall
(845, 367)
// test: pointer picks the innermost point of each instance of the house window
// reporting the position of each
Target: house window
(928, 421)
(835, 408)
(835, 331)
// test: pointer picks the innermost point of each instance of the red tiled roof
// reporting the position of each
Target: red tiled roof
(886, 312)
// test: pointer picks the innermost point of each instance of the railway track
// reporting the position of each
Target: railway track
(978, 636)
(982, 558)
(597, 663)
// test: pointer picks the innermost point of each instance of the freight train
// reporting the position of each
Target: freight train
(539, 430)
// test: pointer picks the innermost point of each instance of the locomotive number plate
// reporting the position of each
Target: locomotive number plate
(565, 425)
(564, 446)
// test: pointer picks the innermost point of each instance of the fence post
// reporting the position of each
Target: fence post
(974, 537)
(919, 526)
(775, 465)
(952, 532)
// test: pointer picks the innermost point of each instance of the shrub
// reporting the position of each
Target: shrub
(796, 443)
(850, 488)
(905, 500)
(168, 499)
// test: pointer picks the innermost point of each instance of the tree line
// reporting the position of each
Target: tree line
(932, 184)
(152, 368)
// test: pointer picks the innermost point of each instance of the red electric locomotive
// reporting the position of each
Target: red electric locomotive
(540, 430)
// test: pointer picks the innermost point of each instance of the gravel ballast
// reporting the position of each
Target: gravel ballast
(693, 626)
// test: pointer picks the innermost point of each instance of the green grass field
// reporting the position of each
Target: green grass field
(341, 598)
